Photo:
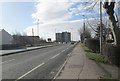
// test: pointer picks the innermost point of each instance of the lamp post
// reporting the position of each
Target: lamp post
(72, 34)
(38, 27)
(33, 36)
(84, 22)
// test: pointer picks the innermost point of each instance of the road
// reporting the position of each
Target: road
(37, 64)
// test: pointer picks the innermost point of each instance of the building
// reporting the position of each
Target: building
(63, 37)
(5, 37)
(58, 37)
(66, 37)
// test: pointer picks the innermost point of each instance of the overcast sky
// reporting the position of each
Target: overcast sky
(54, 16)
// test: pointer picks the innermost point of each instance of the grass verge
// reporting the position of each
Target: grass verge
(109, 80)
(94, 56)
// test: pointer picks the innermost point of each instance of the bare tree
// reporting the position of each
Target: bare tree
(23, 40)
(84, 33)
(109, 7)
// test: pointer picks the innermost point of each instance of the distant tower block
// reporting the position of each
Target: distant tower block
(63, 37)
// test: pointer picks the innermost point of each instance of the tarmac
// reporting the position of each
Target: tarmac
(78, 66)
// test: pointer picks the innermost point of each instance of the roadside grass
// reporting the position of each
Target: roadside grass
(94, 56)
(108, 79)
(85, 48)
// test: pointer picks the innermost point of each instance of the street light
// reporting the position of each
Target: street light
(33, 36)
(84, 22)
(38, 27)
(71, 34)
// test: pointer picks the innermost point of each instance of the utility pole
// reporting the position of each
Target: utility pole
(55, 35)
(72, 34)
(38, 27)
(33, 35)
(101, 28)
(32, 32)
(84, 30)
(84, 22)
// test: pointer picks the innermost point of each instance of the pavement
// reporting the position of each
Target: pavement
(78, 66)
(111, 70)
(14, 51)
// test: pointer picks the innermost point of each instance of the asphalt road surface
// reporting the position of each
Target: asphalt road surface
(37, 64)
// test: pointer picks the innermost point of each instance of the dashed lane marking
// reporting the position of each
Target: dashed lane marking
(30, 71)
(7, 61)
(55, 56)
(59, 53)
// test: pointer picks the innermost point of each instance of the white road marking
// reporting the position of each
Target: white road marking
(59, 53)
(7, 61)
(62, 51)
(55, 56)
(30, 71)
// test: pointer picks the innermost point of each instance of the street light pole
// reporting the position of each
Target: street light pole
(71, 34)
(33, 36)
(38, 27)
(84, 22)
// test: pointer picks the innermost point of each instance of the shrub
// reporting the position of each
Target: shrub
(96, 57)
(112, 54)
(92, 44)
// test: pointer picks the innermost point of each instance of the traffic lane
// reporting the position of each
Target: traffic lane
(20, 60)
(30, 53)
(24, 64)
(20, 67)
(50, 68)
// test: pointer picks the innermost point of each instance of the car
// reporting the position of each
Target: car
(72, 42)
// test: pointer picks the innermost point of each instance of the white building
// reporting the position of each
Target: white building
(5, 37)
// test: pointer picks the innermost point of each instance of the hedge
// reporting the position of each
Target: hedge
(112, 53)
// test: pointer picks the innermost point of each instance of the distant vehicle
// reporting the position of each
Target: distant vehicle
(63, 42)
(72, 42)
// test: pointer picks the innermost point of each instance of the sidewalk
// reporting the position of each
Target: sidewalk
(80, 67)
(7, 52)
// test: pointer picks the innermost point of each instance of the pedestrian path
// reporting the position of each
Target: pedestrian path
(3, 52)
(10, 51)
(80, 67)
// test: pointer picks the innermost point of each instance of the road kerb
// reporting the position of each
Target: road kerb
(57, 74)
